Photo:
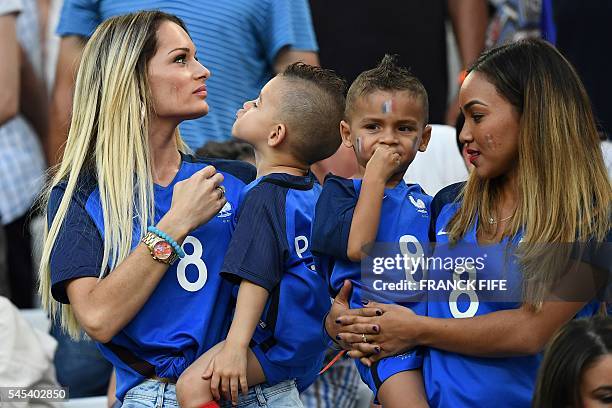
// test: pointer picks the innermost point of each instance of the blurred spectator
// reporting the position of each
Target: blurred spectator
(577, 367)
(242, 42)
(4, 285)
(232, 150)
(26, 356)
(582, 32)
(514, 20)
(441, 164)
(338, 387)
(583, 35)
(606, 147)
(22, 115)
(49, 18)
(79, 365)
(354, 35)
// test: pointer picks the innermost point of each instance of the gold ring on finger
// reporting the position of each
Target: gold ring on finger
(364, 338)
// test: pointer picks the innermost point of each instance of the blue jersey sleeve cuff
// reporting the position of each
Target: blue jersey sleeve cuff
(242, 273)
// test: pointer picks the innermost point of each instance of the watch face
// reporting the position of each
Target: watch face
(162, 250)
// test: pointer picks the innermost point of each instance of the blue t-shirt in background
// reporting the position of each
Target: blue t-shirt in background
(271, 248)
(190, 309)
(236, 40)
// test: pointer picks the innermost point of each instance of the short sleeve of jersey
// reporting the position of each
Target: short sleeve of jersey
(79, 17)
(259, 248)
(78, 249)
(445, 196)
(333, 217)
(289, 23)
(244, 171)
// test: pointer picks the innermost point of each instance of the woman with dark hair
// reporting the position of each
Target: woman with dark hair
(577, 368)
(539, 185)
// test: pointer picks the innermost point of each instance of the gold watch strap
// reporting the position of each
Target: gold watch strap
(150, 239)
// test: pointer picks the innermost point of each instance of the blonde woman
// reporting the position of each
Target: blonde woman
(539, 183)
(137, 228)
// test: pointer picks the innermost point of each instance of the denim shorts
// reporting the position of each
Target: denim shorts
(155, 394)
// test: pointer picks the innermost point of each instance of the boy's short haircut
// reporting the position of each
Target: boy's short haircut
(387, 76)
(312, 108)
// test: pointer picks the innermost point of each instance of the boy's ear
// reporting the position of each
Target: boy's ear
(425, 138)
(277, 135)
(345, 132)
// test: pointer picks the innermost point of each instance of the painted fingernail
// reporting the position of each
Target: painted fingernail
(365, 301)
(375, 328)
(377, 349)
(379, 313)
(338, 337)
(338, 321)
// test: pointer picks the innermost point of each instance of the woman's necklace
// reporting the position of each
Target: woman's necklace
(494, 221)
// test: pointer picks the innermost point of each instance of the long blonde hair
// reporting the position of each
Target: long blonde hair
(108, 138)
(564, 191)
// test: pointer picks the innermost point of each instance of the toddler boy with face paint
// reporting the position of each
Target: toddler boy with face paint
(385, 123)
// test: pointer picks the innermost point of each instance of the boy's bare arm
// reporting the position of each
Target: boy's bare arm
(366, 218)
(249, 307)
(228, 369)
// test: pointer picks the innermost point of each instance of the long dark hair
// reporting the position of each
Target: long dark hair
(578, 345)
(559, 162)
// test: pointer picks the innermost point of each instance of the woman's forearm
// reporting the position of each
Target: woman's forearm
(504, 333)
(104, 307)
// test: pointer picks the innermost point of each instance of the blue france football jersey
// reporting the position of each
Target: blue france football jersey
(271, 248)
(190, 310)
(403, 230)
(455, 380)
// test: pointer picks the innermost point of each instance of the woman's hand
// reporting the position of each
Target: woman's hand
(228, 370)
(341, 307)
(197, 199)
(395, 331)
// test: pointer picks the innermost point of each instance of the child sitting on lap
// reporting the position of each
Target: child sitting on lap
(275, 338)
(386, 125)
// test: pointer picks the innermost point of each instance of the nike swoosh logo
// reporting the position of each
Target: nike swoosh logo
(442, 232)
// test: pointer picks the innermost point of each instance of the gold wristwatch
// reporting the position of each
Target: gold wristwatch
(160, 249)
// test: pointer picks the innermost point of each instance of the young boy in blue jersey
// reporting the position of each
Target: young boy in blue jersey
(386, 124)
(275, 337)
